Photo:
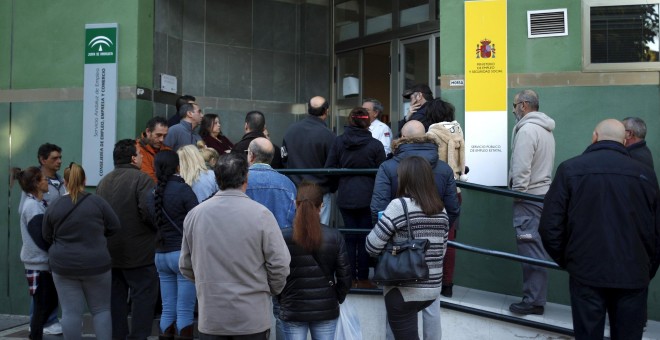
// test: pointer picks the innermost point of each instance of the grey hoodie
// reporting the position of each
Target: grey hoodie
(532, 154)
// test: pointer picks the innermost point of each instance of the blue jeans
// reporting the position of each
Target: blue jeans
(321, 330)
(177, 292)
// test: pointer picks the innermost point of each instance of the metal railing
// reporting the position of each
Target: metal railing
(458, 245)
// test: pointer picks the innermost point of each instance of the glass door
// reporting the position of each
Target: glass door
(419, 64)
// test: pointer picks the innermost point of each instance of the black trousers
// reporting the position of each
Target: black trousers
(45, 302)
(143, 285)
(257, 336)
(626, 309)
(402, 315)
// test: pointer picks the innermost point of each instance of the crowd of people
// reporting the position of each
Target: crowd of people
(211, 223)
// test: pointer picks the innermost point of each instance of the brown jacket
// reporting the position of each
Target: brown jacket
(451, 145)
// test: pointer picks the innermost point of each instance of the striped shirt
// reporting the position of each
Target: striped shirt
(434, 228)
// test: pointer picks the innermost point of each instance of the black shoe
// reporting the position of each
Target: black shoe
(447, 291)
(525, 308)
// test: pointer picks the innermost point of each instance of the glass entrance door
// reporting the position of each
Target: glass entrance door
(420, 60)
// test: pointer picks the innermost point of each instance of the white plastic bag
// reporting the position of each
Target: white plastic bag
(348, 324)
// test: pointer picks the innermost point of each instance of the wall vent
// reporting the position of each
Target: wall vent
(547, 23)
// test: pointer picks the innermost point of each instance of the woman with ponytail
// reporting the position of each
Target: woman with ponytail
(356, 149)
(320, 273)
(34, 252)
(169, 204)
(77, 225)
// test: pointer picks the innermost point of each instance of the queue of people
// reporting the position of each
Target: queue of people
(192, 221)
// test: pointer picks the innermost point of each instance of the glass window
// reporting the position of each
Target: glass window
(347, 20)
(379, 16)
(621, 36)
(624, 34)
(413, 12)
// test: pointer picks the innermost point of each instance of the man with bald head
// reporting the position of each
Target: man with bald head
(414, 142)
(601, 223)
(306, 145)
(530, 171)
(267, 186)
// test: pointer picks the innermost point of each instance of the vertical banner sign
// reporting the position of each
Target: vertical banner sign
(486, 108)
(99, 100)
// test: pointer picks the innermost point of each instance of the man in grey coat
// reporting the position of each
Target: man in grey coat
(532, 159)
(234, 251)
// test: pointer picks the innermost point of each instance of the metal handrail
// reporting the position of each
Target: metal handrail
(465, 185)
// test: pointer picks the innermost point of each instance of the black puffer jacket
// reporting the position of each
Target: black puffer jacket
(308, 295)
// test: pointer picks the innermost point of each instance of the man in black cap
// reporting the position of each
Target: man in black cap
(419, 96)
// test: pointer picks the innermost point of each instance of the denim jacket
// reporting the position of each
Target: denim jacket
(275, 191)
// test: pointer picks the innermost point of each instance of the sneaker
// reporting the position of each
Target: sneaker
(525, 308)
(54, 329)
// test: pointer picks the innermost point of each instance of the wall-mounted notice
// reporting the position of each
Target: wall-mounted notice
(99, 100)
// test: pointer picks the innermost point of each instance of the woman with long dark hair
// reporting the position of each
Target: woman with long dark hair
(320, 274)
(447, 133)
(77, 225)
(211, 132)
(356, 149)
(427, 219)
(34, 251)
(171, 201)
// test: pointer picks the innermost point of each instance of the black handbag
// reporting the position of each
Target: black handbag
(403, 262)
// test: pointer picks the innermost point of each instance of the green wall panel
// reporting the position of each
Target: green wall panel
(49, 42)
(5, 42)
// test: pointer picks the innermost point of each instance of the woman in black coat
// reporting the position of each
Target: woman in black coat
(356, 149)
(320, 274)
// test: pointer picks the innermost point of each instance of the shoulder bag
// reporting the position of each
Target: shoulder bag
(403, 262)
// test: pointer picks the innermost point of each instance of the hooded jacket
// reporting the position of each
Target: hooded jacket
(451, 145)
(355, 149)
(387, 179)
(532, 154)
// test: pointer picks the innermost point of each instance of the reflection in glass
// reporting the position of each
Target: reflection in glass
(416, 63)
(379, 16)
(348, 67)
(347, 17)
(413, 12)
(622, 34)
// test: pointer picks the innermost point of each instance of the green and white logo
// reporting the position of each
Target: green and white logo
(100, 45)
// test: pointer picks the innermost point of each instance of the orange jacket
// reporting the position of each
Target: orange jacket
(148, 155)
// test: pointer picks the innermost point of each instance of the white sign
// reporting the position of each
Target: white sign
(167, 83)
(99, 100)
(457, 82)
(486, 147)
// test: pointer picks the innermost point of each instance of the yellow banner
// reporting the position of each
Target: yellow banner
(485, 55)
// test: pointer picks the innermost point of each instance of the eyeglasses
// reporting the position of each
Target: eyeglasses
(516, 104)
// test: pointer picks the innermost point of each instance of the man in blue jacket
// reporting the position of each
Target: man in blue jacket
(601, 223)
(414, 142)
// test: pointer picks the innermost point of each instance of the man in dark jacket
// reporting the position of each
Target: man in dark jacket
(255, 125)
(420, 95)
(635, 143)
(132, 248)
(601, 223)
(306, 145)
(414, 143)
